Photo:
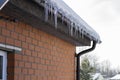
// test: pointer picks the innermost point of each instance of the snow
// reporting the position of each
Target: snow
(75, 18)
(66, 11)
(116, 77)
(98, 76)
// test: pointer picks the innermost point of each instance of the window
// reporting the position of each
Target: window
(3, 65)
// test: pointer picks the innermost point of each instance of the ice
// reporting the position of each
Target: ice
(55, 16)
(56, 6)
(46, 12)
(63, 18)
(71, 30)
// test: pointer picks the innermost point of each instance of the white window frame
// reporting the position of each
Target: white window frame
(4, 3)
(4, 72)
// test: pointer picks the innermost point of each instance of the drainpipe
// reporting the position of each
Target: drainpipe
(78, 59)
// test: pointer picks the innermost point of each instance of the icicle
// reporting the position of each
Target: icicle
(55, 16)
(50, 7)
(51, 10)
(69, 21)
(62, 15)
(77, 31)
(69, 27)
(46, 12)
(82, 33)
(62, 18)
(71, 30)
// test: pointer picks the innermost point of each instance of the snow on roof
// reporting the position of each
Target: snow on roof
(76, 22)
(70, 14)
(97, 76)
(116, 77)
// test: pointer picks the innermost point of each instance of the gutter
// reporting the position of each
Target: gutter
(78, 59)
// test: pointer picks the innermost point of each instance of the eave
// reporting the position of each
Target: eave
(33, 14)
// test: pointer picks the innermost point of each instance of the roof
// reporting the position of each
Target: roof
(97, 76)
(58, 19)
(76, 19)
(66, 11)
(116, 77)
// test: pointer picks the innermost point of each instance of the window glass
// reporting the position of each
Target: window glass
(1, 67)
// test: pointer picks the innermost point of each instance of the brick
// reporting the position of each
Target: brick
(28, 77)
(6, 32)
(43, 57)
(18, 70)
(2, 39)
(47, 62)
(18, 43)
(18, 57)
(14, 35)
(28, 40)
(11, 26)
(2, 23)
(28, 52)
(34, 54)
(28, 27)
(31, 59)
(42, 61)
(31, 71)
(40, 66)
(21, 64)
(37, 48)
(10, 41)
(25, 58)
(20, 77)
(36, 31)
(37, 60)
(24, 45)
(16, 63)
(31, 47)
(32, 35)
(37, 72)
(35, 42)
(34, 66)
(25, 32)
(21, 38)
(18, 29)
(40, 55)
(25, 71)
(28, 65)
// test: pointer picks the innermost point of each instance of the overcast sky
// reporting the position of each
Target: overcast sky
(104, 17)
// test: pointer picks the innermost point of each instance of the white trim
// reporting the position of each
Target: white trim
(4, 4)
(10, 48)
(4, 54)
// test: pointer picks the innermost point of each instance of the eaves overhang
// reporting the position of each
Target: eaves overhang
(47, 15)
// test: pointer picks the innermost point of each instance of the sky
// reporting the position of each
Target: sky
(104, 17)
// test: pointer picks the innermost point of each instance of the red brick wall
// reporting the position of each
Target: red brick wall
(43, 56)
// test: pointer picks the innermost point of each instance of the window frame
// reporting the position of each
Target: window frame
(4, 72)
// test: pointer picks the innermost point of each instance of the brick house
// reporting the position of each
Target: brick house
(38, 39)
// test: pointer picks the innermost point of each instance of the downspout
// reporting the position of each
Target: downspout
(78, 59)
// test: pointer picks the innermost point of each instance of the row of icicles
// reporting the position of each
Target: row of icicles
(51, 7)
